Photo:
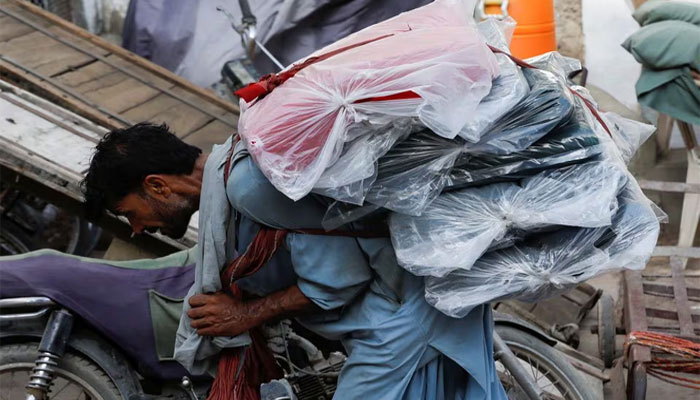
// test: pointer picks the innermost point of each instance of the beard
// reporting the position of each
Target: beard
(177, 214)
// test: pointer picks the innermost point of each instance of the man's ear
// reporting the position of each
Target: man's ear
(156, 186)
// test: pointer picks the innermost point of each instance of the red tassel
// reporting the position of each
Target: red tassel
(235, 383)
(227, 385)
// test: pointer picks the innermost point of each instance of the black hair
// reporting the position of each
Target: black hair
(124, 157)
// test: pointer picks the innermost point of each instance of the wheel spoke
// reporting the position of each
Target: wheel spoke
(541, 372)
(532, 369)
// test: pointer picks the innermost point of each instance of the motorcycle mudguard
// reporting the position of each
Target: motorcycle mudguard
(500, 318)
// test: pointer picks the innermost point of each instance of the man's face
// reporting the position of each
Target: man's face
(150, 213)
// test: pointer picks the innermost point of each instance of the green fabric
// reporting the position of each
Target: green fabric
(670, 91)
(659, 10)
(179, 259)
(667, 50)
(667, 44)
(165, 314)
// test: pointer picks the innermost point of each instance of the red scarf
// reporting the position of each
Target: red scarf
(242, 382)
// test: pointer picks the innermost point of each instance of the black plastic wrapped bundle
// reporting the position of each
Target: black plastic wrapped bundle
(416, 169)
(548, 104)
(571, 143)
(414, 172)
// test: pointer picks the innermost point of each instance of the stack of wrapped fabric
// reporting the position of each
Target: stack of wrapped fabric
(499, 179)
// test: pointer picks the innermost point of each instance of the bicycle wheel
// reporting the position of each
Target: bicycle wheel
(548, 368)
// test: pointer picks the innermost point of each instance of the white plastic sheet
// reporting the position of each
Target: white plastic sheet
(298, 130)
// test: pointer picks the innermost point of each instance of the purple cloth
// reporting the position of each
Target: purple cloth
(114, 300)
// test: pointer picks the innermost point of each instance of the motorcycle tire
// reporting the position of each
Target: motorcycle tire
(544, 361)
(12, 239)
(73, 374)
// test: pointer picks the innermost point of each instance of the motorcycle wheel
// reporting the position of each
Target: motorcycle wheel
(76, 377)
(549, 369)
(12, 239)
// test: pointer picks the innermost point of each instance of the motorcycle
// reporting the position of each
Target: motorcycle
(74, 327)
(29, 223)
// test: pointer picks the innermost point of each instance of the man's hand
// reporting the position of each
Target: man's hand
(220, 314)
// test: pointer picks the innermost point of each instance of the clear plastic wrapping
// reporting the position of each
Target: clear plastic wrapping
(627, 134)
(414, 172)
(568, 144)
(459, 226)
(351, 176)
(416, 169)
(556, 63)
(548, 104)
(508, 89)
(429, 63)
(547, 264)
(541, 264)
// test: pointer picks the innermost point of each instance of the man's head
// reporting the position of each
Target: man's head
(146, 174)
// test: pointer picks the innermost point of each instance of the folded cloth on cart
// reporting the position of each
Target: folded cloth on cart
(460, 226)
(547, 264)
(430, 63)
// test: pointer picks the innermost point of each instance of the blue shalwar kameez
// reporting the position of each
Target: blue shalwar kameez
(399, 347)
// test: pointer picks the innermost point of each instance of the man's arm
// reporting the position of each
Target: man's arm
(220, 314)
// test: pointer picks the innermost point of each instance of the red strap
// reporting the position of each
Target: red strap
(269, 82)
(398, 96)
(588, 104)
(516, 60)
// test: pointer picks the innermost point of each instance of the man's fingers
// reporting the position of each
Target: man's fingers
(201, 323)
(199, 300)
(198, 312)
(206, 332)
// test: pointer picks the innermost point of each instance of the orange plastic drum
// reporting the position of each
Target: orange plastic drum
(534, 33)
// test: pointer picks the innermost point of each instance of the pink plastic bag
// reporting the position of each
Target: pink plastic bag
(429, 63)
